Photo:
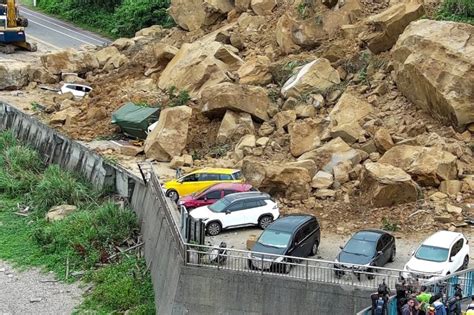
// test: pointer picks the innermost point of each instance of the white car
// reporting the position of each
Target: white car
(442, 253)
(78, 90)
(237, 210)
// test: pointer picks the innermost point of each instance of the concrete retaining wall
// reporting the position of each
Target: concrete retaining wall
(181, 289)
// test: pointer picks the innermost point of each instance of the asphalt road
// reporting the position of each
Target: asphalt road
(57, 34)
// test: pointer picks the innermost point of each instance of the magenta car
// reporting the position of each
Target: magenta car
(211, 194)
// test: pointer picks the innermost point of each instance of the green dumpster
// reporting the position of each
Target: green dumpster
(134, 120)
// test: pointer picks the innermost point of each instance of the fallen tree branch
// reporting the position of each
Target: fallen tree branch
(125, 251)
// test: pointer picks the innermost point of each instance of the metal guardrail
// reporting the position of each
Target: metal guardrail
(306, 269)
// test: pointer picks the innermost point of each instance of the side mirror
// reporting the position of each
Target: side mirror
(450, 259)
(412, 253)
(227, 212)
(341, 247)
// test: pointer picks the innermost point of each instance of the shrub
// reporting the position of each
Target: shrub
(457, 10)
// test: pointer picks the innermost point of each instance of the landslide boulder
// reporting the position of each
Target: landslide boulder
(255, 71)
(262, 7)
(169, 137)
(199, 65)
(384, 185)
(434, 66)
(219, 98)
(384, 28)
(427, 166)
(70, 60)
(234, 126)
(13, 75)
(304, 136)
(194, 14)
(317, 75)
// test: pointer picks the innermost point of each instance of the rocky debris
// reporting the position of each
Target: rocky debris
(325, 193)
(278, 179)
(255, 71)
(383, 140)
(262, 142)
(154, 31)
(385, 185)
(169, 137)
(322, 180)
(219, 98)
(70, 60)
(428, 166)
(304, 136)
(433, 63)
(245, 144)
(384, 28)
(123, 43)
(13, 75)
(284, 34)
(199, 65)
(284, 118)
(65, 116)
(317, 75)
(193, 14)
(451, 187)
(262, 7)
(453, 209)
(234, 126)
(58, 213)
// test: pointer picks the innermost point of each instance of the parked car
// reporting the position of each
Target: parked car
(78, 90)
(238, 210)
(367, 248)
(210, 195)
(440, 254)
(296, 235)
(200, 180)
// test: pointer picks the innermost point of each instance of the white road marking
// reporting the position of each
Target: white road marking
(62, 33)
(37, 16)
(43, 42)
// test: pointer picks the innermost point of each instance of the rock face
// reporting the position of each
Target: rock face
(255, 71)
(199, 65)
(434, 64)
(428, 166)
(234, 126)
(219, 98)
(70, 61)
(194, 14)
(385, 27)
(316, 75)
(13, 76)
(169, 137)
(58, 213)
(290, 181)
(384, 185)
(304, 136)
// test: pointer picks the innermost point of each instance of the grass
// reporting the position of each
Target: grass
(84, 241)
(457, 10)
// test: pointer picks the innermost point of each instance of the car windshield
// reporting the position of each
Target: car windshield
(220, 205)
(274, 238)
(432, 253)
(360, 247)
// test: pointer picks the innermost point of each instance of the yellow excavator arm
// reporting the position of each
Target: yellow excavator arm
(11, 13)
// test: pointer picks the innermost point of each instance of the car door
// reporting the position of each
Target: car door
(455, 257)
(253, 210)
(210, 197)
(379, 258)
(299, 242)
(387, 248)
(188, 185)
(207, 179)
(234, 214)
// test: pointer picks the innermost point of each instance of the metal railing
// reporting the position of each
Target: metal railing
(306, 269)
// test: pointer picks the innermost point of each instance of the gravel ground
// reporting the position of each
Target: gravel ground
(34, 292)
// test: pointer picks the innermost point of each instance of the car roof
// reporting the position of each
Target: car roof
(290, 223)
(371, 235)
(247, 195)
(215, 171)
(443, 239)
(235, 186)
(75, 84)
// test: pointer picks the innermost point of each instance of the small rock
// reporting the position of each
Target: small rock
(453, 209)
(325, 193)
(374, 156)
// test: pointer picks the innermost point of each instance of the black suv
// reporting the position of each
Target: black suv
(295, 235)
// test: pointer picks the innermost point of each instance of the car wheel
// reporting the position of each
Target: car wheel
(286, 268)
(173, 195)
(265, 221)
(214, 228)
(465, 263)
(314, 249)
(394, 254)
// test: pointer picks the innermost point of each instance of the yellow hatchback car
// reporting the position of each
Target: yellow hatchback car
(200, 180)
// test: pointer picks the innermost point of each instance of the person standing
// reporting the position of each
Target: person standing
(409, 307)
(424, 299)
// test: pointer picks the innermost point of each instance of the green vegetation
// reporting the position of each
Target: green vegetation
(457, 10)
(389, 225)
(84, 242)
(178, 99)
(116, 18)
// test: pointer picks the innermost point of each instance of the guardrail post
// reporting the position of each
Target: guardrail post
(261, 267)
(307, 270)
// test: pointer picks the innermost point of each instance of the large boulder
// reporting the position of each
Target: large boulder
(219, 98)
(234, 126)
(194, 14)
(200, 65)
(284, 34)
(434, 66)
(317, 75)
(290, 181)
(384, 185)
(427, 166)
(70, 60)
(384, 28)
(168, 138)
(255, 71)
(304, 136)
(13, 75)
(262, 7)
(58, 213)
(110, 58)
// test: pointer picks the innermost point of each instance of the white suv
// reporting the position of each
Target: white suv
(237, 210)
(440, 254)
